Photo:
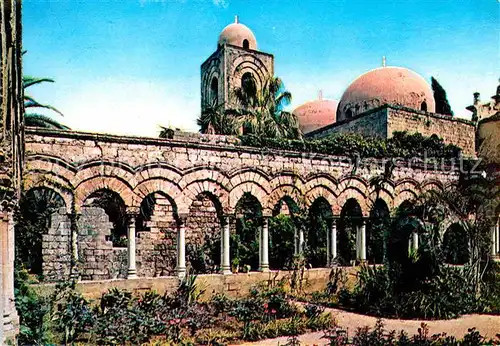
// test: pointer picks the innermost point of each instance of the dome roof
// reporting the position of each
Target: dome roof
(236, 34)
(316, 114)
(391, 85)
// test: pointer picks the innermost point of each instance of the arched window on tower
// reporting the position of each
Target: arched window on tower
(248, 85)
(246, 44)
(348, 114)
(423, 106)
(214, 91)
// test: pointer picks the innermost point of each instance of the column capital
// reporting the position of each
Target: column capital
(182, 217)
(132, 211)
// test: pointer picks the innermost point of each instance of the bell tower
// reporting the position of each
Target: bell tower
(236, 61)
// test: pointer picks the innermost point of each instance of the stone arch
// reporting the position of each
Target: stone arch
(252, 175)
(46, 164)
(321, 191)
(320, 217)
(108, 171)
(431, 185)
(159, 170)
(157, 226)
(351, 218)
(283, 226)
(455, 245)
(356, 194)
(204, 232)
(423, 106)
(34, 181)
(250, 62)
(190, 193)
(376, 226)
(252, 188)
(285, 191)
(248, 220)
(384, 195)
(42, 232)
(86, 188)
(404, 196)
(322, 179)
(102, 234)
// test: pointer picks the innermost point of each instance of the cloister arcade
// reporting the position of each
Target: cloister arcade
(153, 209)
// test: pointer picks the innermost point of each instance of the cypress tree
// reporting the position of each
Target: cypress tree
(442, 104)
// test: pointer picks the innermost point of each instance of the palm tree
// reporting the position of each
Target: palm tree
(36, 119)
(261, 110)
(216, 119)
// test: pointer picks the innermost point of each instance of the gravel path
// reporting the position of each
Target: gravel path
(488, 326)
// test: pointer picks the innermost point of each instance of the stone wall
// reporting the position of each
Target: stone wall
(98, 259)
(177, 172)
(56, 247)
(156, 251)
(385, 120)
(452, 130)
(489, 139)
(235, 286)
(372, 123)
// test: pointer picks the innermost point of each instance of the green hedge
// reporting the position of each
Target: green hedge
(400, 145)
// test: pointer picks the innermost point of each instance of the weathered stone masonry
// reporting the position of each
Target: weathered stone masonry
(197, 183)
(383, 121)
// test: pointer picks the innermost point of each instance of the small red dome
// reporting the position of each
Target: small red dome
(239, 35)
(391, 85)
(316, 114)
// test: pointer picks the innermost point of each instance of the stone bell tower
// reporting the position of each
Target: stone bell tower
(235, 62)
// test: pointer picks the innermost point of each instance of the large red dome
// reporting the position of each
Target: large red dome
(386, 85)
(316, 114)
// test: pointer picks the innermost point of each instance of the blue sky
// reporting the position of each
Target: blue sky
(127, 66)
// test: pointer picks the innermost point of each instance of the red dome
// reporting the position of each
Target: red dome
(391, 85)
(316, 114)
(236, 34)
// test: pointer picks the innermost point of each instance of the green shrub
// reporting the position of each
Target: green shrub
(401, 144)
(378, 336)
(33, 310)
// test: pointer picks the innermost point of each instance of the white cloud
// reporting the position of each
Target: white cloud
(221, 3)
(130, 107)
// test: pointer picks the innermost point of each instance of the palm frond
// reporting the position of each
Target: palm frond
(30, 102)
(40, 120)
(29, 81)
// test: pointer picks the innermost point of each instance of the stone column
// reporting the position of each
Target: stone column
(301, 241)
(295, 242)
(132, 271)
(9, 316)
(264, 245)
(497, 226)
(2, 274)
(225, 241)
(361, 241)
(414, 240)
(73, 217)
(181, 247)
(328, 248)
(333, 242)
(493, 240)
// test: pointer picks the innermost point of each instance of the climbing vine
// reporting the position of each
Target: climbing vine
(401, 145)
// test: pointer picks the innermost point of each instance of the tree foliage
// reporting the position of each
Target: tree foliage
(262, 110)
(215, 119)
(36, 119)
(442, 104)
(400, 145)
